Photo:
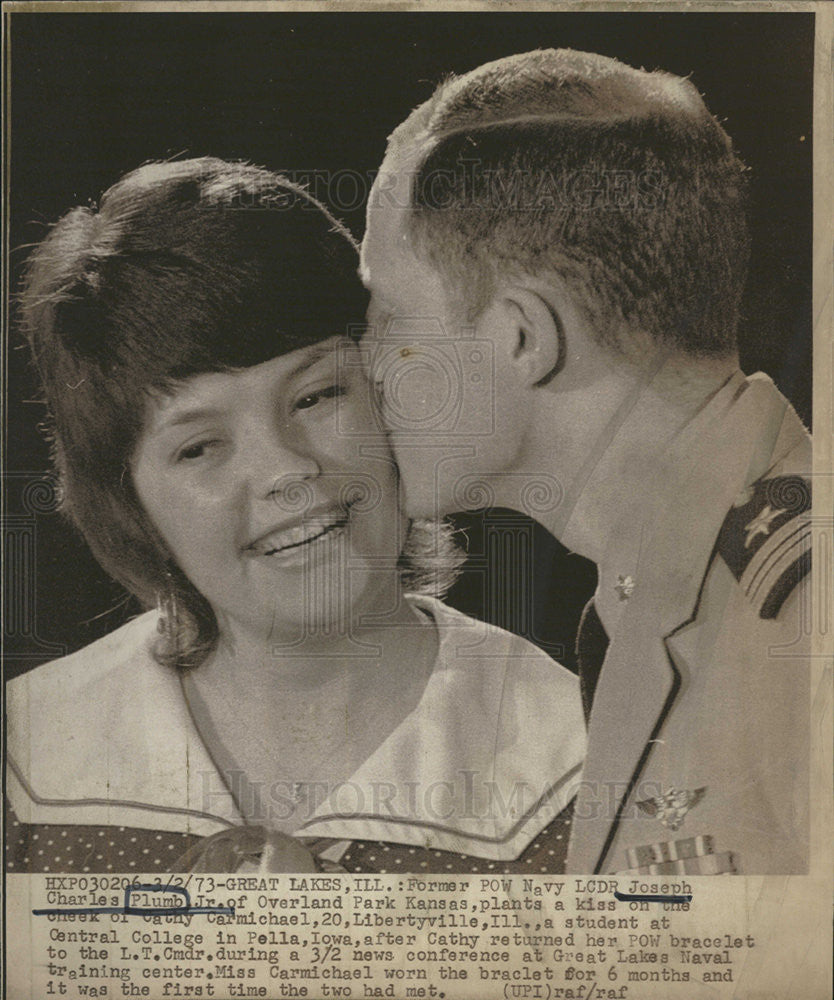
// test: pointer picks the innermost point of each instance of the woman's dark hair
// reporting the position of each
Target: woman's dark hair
(185, 267)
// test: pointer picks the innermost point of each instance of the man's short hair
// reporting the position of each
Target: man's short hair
(617, 179)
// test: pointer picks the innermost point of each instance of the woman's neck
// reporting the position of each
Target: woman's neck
(308, 662)
(308, 718)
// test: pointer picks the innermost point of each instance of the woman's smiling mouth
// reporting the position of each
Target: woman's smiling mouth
(313, 528)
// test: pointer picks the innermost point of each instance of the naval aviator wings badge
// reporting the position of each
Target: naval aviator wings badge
(672, 806)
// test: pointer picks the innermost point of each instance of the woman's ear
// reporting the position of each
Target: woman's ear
(537, 335)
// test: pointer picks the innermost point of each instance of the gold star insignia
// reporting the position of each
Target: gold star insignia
(760, 525)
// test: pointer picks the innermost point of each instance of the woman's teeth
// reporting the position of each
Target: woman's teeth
(291, 538)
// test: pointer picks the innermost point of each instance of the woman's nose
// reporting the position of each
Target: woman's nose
(279, 466)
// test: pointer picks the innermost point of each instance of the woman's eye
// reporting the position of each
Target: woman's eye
(196, 450)
(312, 398)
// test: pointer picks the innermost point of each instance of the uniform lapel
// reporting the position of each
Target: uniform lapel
(727, 445)
(635, 689)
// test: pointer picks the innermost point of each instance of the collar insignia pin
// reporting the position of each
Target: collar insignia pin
(625, 586)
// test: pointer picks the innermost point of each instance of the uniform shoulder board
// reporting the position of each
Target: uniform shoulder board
(766, 540)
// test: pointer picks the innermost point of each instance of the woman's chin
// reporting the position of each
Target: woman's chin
(322, 590)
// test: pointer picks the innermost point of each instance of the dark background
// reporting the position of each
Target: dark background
(95, 95)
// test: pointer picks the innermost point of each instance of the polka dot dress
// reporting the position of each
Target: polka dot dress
(40, 848)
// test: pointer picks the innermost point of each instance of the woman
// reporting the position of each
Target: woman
(287, 702)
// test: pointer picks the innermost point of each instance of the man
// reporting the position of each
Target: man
(556, 249)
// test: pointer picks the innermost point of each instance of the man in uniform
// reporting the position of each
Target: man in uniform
(556, 249)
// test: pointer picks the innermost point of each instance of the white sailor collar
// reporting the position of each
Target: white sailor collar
(104, 737)
(488, 757)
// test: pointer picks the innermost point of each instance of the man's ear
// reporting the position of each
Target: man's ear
(538, 340)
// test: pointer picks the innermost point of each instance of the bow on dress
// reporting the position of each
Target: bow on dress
(251, 848)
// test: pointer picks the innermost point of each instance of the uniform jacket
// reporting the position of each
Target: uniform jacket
(490, 755)
(698, 739)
